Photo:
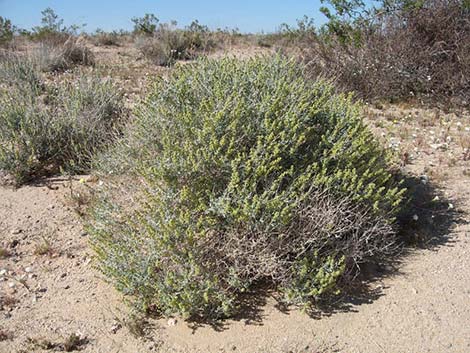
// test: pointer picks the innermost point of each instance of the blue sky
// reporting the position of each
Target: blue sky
(247, 15)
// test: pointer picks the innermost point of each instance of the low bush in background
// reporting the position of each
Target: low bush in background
(6, 31)
(45, 128)
(61, 57)
(236, 173)
(164, 43)
(403, 50)
(103, 38)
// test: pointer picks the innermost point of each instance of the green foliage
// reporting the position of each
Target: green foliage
(396, 49)
(235, 173)
(145, 25)
(47, 128)
(350, 20)
(52, 29)
(6, 30)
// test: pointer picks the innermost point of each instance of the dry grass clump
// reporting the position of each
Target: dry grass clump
(64, 56)
(102, 38)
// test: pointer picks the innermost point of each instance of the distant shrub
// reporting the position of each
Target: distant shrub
(199, 37)
(52, 30)
(169, 43)
(61, 57)
(48, 128)
(236, 173)
(405, 50)
(103, 38)
(6, 31)
(146, 25)
(156, 51)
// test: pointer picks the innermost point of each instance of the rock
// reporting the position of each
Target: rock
(16, 231)
(11, 284)
(172, 322)
(440, 146)
(28, 269)
(3, 272)
(115, 328)
(14, 243)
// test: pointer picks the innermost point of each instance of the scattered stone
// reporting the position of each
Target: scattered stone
(3, 272)
(172, 322)
(115, 328)
(11, 284)
(440, 146)
(28, 269)
(16, 231)
(14, 243)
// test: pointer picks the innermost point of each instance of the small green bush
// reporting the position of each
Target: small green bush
(236, 173)
(145, 25)
(48, 128)
(6, 30)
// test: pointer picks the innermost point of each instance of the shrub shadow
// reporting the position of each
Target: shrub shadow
(425, 223)
(250, 310)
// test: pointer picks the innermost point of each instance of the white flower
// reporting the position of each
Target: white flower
(415, 217)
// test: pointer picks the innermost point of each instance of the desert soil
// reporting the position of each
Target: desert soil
(49, 289)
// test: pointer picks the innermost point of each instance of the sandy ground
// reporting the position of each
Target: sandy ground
(50, 292)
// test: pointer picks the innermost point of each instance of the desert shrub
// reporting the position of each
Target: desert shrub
(6, 31)
(146, 25)
(61, 57)
(199, 37)
(169, 43)
(103, 38)
(237, 173)
(155, 51)
(412, 49)
(48, 128)
(52, 31)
